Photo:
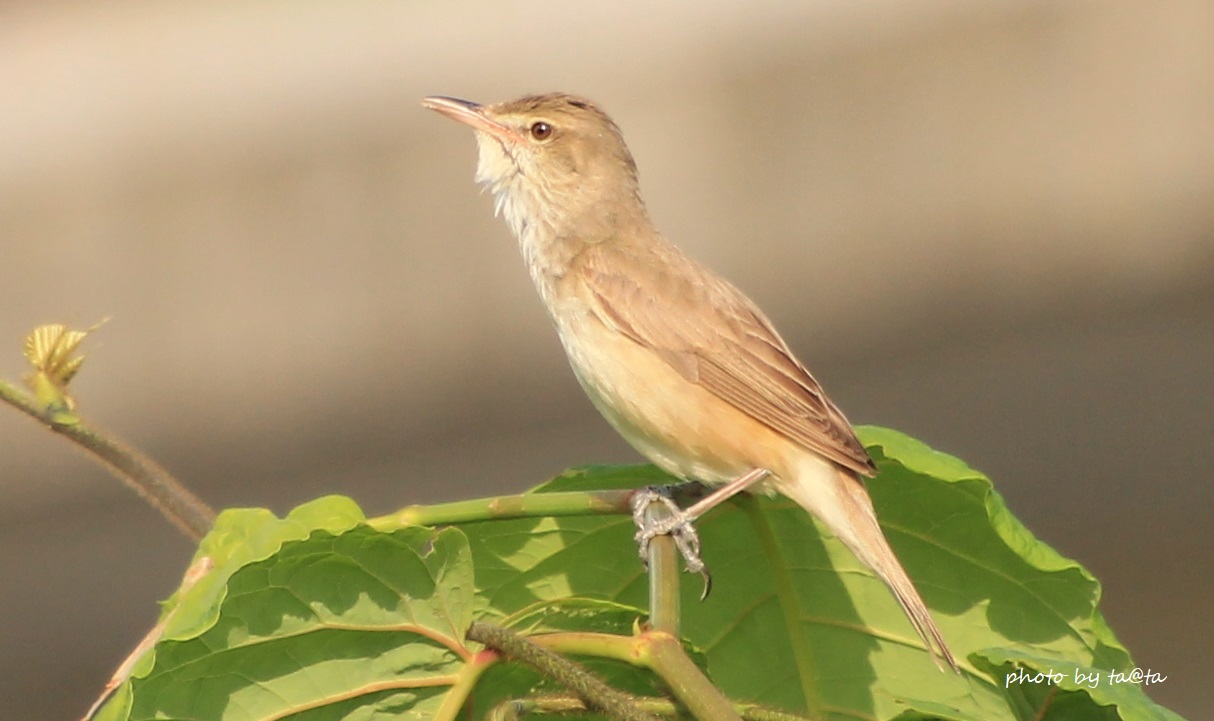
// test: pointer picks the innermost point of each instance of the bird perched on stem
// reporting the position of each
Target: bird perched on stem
(679, 361)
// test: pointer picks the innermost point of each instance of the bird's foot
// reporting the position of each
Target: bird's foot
(677, 524)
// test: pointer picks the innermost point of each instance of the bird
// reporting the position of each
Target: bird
(679, 361)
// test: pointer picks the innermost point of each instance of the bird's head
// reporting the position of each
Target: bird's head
(555, 159)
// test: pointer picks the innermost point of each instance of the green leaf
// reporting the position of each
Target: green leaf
(1074, 691)
(313, 616)
(244, 535)
(796, 622)
(583, 615)
(319, 616)
(573, 615)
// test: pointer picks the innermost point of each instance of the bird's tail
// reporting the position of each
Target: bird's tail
(838, 498)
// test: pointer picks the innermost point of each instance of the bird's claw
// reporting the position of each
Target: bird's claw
(677, 525)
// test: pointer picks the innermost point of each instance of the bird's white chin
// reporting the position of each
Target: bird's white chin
(494, 166)
(519, 201)
(497, 171)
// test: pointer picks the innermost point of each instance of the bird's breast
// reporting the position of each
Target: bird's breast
(673, 422)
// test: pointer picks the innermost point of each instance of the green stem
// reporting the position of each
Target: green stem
(660, 652)
(664, 655)
(513, 709)
(148, 479)
(462, 689)
(663, 560)
(590, 643)
(572, 676)
(524, 505)
(691, 687)
(759, 713)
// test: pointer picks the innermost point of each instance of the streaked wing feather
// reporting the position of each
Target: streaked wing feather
(759, 376)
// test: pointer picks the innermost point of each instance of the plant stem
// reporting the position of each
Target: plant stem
(553, 705)
(594, 692)
(148, 479)
(691, 687)
(664, 655)
(663, 563)
(459, 693)
(523, 505)
(514, 709)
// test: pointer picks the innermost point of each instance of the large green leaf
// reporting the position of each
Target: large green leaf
(315, 616)
(1071, 691)
(318, 616)
(580, 615)
(796, 622)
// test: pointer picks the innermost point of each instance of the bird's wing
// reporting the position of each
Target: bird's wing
(730, 348)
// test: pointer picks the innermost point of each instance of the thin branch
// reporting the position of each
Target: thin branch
(514, 709)
(569, 674)
(664, 655)
(148, 479)
(613, 502)
(523, 505)
(664, 576)
(690, 686)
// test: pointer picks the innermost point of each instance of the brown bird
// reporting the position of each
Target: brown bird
(679, 361)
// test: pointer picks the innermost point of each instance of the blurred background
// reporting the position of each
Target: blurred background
(988, 225)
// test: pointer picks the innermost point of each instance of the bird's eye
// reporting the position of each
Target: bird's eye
(541, 130)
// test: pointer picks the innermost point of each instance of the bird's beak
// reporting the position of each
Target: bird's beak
(473, 114)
